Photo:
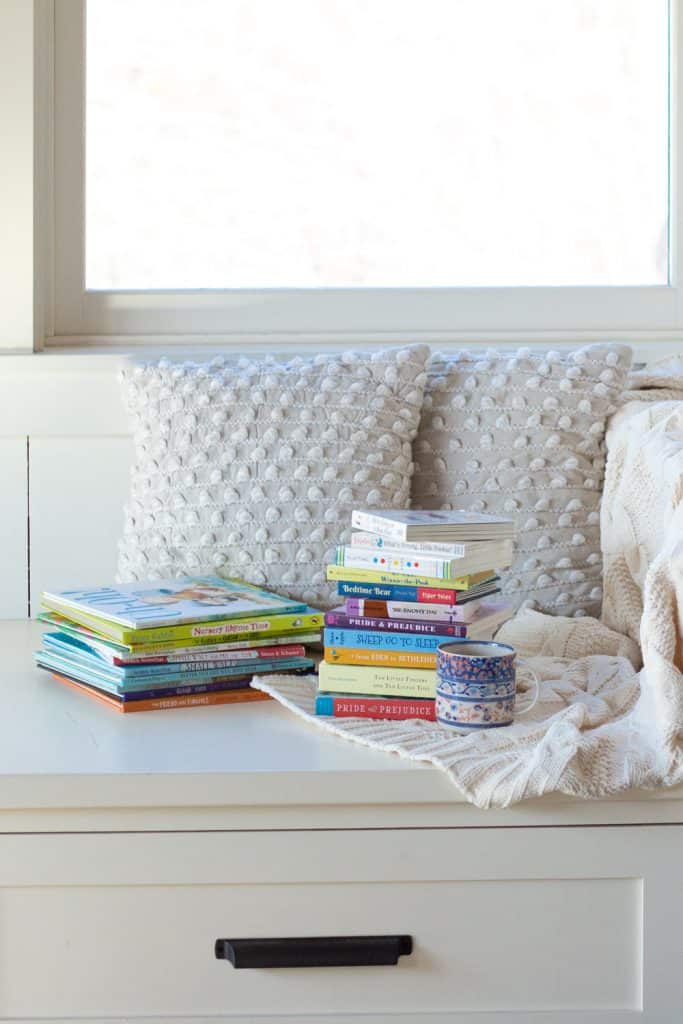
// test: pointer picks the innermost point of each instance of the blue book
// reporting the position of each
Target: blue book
(383, 641)
(104, 679)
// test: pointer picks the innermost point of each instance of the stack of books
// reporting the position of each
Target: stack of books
(410, 580)
(173, 643)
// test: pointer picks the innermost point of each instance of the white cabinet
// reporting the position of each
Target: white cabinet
(503, 922)
(129, 845)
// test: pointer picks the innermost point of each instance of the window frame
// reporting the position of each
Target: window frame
(332, 315)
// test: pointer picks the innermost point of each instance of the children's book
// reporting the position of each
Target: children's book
(240, 696)
(407, 559)
(340, 572)
(342, 620)
(467, 610)
(176, 650)
(392, 659)
(416, 594)
(381, 640)
(143, 606)
(374, 707)
(114, 681)
(377, 680)
(71, 647)
(439, 525)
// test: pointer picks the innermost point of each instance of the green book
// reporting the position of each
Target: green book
(377, 680)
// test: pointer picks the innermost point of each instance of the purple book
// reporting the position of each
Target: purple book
(340, 618)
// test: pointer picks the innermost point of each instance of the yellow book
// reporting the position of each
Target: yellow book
(376, 680)
(390, 659)
(342, 572)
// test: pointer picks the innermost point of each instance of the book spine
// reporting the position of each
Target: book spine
(379, 681)
(177, 647)
(243, 629)
(237, 659)
(200, 700)
(389, 560)
(343, 620)
(377, 524)
(381, 640)
(371, 540)
(127, 682)
(156, 693)
(371, 707)
(390, 659)
(340, 572)
(205, 659)
(420, 595)
(411, 611)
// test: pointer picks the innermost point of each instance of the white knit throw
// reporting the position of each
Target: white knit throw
(600, 726)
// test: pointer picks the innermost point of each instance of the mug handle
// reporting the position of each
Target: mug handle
(522, 666)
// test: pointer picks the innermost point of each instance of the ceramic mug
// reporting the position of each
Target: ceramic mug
(477, 685)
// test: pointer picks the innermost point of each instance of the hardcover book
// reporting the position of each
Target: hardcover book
(175, 649)
(440, 525)
(382, 640)
(342, 620)
(177, 602)
(241, 696)
(415, 611)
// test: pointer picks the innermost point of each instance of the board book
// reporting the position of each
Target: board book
(377, 680)
(416, 594)
(396, 708)
(412, 563)
(342, 620)
(468, 582)
(437, 525)
(391, 659)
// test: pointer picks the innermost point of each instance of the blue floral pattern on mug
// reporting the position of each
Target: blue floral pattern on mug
(465, 688)
(455, 665)
(473, 714)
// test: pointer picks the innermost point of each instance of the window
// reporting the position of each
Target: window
(367, 167)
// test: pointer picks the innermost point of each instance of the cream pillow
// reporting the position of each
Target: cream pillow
(252, 468)
(523, 433)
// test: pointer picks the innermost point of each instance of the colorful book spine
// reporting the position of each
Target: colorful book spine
(165, 703)
(381, 640)
(387, 592)
(342, 620)
(392, 659)
(412, 611)
(243, 629)
(392, 561)
(372, 707)
(375, 680)
(193, 657)
(371, 540)
(340, 572)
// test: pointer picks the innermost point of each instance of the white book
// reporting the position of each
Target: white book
(487, 552)
(413, 563)
(421, 525)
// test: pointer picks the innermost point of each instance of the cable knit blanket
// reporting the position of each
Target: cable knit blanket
(610, 715)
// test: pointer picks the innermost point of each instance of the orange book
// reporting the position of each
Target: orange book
(189, 700)
(390, 659)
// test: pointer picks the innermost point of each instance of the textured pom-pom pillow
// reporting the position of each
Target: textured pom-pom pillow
(522, 433)
(251, 469)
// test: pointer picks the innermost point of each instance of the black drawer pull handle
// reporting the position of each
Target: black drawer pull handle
(329, 951)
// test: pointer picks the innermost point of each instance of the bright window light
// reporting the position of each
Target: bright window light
(237, 144)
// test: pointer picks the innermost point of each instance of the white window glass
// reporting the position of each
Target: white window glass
(400, 143)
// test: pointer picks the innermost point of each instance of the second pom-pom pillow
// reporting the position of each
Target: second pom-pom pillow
(522, 434)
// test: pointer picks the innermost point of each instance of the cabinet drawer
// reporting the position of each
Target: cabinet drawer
(125, 926)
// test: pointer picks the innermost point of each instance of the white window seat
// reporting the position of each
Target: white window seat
(130, 844)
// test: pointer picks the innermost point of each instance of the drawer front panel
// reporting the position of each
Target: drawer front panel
(479, 945)
(567, 922)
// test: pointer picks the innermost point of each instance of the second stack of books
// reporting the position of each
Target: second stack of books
(411, 580)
